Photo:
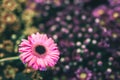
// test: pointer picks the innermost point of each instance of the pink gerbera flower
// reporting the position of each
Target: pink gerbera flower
(39, 51)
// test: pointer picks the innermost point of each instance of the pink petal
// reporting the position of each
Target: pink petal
(53, 45)
(32, 61)
(41, 63)
(49, 42)
(54, 48)
(35, 66)
(55, 58)
(24, 40)
(39, 37)
(46, 63)
(33, 36)
(30, 39)
(24, 48)
(23, 51)
(55, 52)
(50, 61)
(24, 44)
(24, 54)
(28, 58)
(45, 37)
(38, 34)
(24, 57)
(30, 64)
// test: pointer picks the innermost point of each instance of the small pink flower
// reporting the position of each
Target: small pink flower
(39, 51)
(39, 1)
(99, 11)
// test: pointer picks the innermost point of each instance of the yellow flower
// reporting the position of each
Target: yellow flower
(8, 17)
(30, 30)
(27, 15)
(9, 5)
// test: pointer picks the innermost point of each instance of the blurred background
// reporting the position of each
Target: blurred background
(87, 33)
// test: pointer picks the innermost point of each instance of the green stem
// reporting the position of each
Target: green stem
(9, 59)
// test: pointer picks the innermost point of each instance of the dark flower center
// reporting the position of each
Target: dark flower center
(40, 49)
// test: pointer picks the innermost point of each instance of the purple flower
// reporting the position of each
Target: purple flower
(114, 13)
(39, 1)
(111, 75)
(114, 2)
(80, 1)
(83, 74)
(99, 11)
(103, 44)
